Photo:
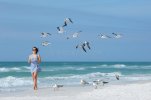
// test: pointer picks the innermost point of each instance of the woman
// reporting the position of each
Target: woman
(34, 60)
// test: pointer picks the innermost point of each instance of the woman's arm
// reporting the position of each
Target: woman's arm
(39, 59)
(29, 60)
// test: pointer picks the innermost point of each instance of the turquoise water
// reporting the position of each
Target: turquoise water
(16, 75)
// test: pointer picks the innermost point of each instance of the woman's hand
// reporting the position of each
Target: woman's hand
(29, 60)
(39, 59)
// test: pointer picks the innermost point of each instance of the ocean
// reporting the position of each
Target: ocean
(16, 76)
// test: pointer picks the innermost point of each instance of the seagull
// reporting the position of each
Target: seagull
(66, 21)
(81, 46)
(117, 35)
(117, 76)
(60, 29)
(55, 86)
(75, 35)
(97, 81)
(104, 36)
(83, 82)
(44, 34)
(95, 85)
(100, 82)
(45, 43)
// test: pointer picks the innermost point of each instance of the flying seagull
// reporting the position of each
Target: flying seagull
(75, 35)
(45, 43)
(67, 21)
(83, 46)
(104, 36)
(44, 34)
(60, 29)
(117, 35)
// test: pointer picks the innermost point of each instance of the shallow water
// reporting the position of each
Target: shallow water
(16, 76)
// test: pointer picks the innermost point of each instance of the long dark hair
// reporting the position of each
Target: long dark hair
(35, 49)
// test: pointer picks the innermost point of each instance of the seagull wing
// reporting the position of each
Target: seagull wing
(88, 45)
(77, 46)
(70, 20)
(58, 28)
(104, 82)
(79, 31)
(114, 34)
(43, 44)
(68, 38)
(42, 33)
(61, 29)
(49, 33)
(65, 23)
(108, 36)
(60, 85)
(83, 48)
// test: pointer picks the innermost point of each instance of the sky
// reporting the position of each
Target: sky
(22, 21)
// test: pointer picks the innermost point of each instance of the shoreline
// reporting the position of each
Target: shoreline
(132, 91)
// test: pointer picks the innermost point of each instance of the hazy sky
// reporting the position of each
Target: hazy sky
(22, 21)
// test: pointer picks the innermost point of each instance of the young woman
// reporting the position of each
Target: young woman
(34, 60)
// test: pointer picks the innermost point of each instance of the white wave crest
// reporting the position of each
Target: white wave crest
(119, 66)
(4, 69)
(84, 76)
(13, 81)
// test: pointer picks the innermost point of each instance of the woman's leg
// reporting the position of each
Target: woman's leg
(35, 80)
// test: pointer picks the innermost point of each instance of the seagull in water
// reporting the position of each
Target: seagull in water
(75, 35)
(60, 29)
(44, 34)
(67, 21)
(104, 36)
(117, 35)
(45, 43)
(56, 87)
(83, 45)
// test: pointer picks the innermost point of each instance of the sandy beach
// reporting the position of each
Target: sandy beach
(134, 91)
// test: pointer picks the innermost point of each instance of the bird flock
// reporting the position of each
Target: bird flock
(96, 83)
(84, 45)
